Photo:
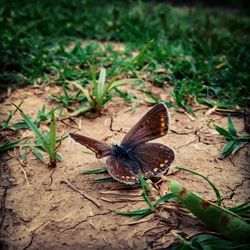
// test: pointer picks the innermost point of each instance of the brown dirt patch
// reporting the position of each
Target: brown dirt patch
(46, 214)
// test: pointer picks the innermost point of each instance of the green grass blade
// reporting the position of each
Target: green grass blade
(144, 186)
(242, 210)
(217, 192)
(96, 171)
(52, 144)
(9, 145)
(34, 128)
(134, 212)
(238, 145)
(101, 82)
(121, 82)
(165, 198)
(208, 242)
(6, 122)
(228, 148)
(231, 129)
(139, 217)
(104, 180)
(85, 92)
(38, 155)
(79, 111)
(24, 155)
(223, 132)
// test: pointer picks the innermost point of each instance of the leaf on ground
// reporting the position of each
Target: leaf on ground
(104, 180)
(96, 171)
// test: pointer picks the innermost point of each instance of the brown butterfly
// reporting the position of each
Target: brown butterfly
(134, 156)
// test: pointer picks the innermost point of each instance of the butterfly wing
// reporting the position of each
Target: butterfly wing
(152, 125)
(153, 158)
(121, 171)
(100, 149)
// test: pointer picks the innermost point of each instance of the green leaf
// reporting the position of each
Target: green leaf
(101, 82)
(242, 210)
(216, 217)
(85, 92)
(96, 171)
(144, 186)
(59, 156)
(223, 132)
(121, 82)
(216, 190)
(24, 155)
(79, 111)
(139, 217)
(238, 145)
(38, 155)
(228, 148)
(104, 180)
(134, 212)
(208, 242)
(52, 133)
(165, 198)
(6, 122)
(232, 130)
(9, 145)
(34, 128)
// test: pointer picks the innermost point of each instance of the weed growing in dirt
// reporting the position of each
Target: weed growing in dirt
(47, 143)
(100, 91)
(234, 141)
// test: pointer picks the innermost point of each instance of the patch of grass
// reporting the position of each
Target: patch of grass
(234, 141)
(204, 52)
(47, 143)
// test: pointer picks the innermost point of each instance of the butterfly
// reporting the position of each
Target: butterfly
(135, 157)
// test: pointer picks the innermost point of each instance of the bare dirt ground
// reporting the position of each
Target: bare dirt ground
(44, 212)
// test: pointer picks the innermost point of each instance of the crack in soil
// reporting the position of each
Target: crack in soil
(234, 189)
(80, 222)
(33, 236)
(111, 126)
(233, 163)
(187, 144)
(51, 177)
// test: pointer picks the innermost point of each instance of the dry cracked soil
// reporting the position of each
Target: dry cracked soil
(62, 208)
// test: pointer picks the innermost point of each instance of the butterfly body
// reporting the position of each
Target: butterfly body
(135, 156)
(127, 156)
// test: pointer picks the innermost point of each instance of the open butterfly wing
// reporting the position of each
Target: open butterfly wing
(120, 171)
(100, 149)
(152, 125)
(153, 158)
